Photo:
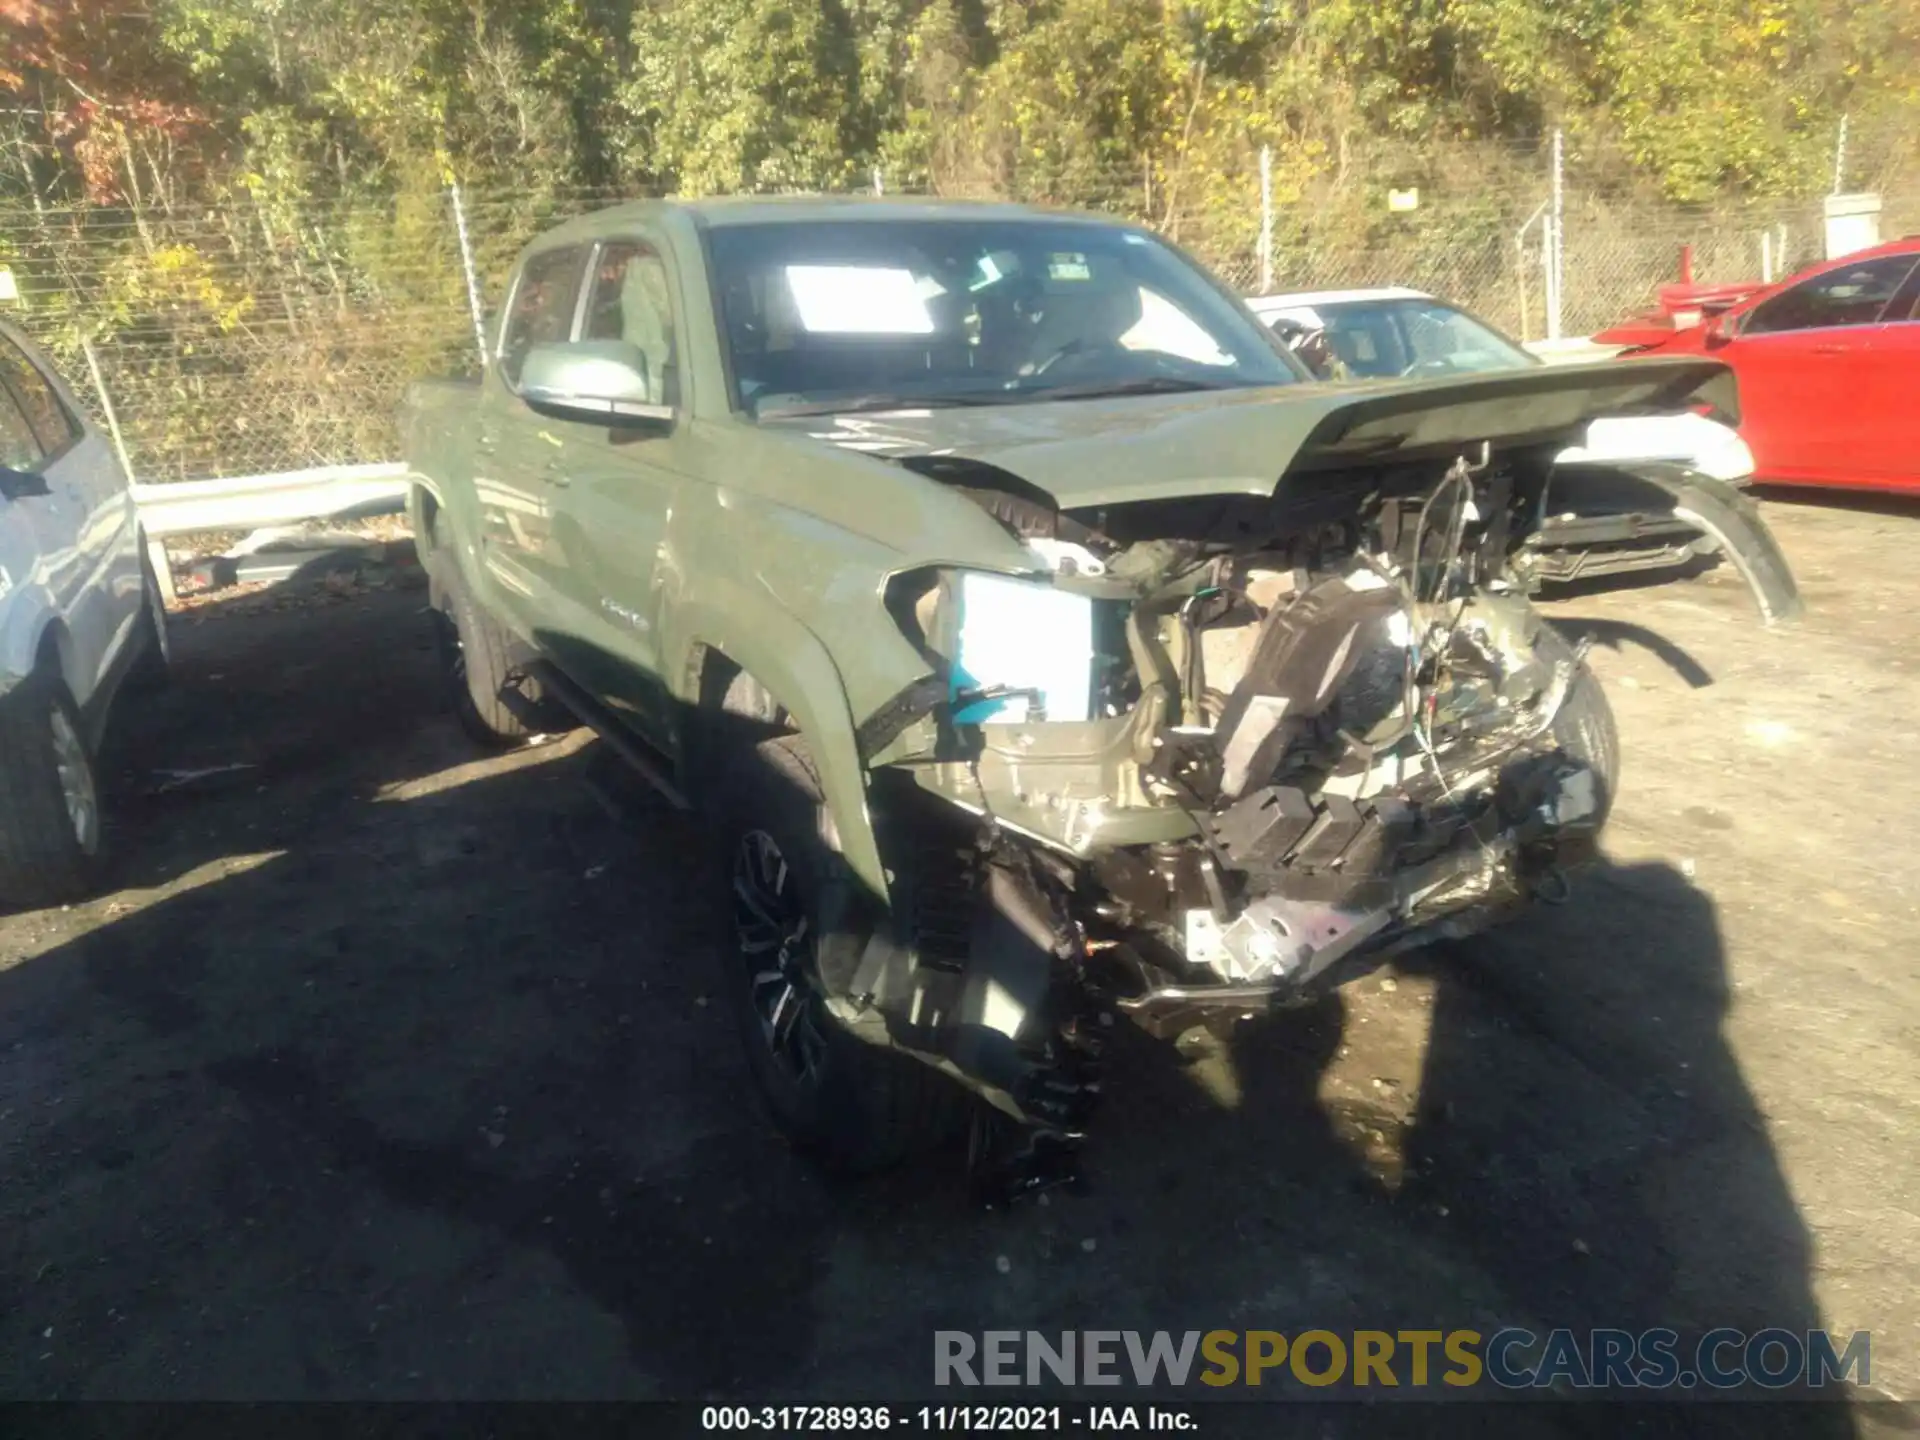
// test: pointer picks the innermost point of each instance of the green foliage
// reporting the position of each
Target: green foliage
(282, 259)
(744, 94)
(1060, 99)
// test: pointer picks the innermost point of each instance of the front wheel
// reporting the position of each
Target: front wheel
(790, 899)
(1585, 728)
(50, 830)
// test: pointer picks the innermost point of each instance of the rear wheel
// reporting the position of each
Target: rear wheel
(790, 901)
(50, 828)
(494, 698)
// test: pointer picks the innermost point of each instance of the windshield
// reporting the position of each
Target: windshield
(1383, 339)
(875, 314)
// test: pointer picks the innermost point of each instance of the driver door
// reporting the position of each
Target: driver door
(1805, 361)
(613, 489)
(515, 449)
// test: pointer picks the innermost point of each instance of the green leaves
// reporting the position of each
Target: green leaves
(750, 95)
(1125, 103)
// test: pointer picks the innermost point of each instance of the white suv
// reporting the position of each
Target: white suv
(79, 612)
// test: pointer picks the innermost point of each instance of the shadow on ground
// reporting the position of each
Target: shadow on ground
(409, 1080)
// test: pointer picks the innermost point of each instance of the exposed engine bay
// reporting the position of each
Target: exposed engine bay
(1235, 742)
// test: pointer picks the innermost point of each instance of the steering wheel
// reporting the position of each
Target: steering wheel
(1076, 354)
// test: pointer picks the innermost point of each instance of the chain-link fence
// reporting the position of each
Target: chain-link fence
(252, 336)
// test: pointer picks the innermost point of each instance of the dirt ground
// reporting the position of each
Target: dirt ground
(393, 1072)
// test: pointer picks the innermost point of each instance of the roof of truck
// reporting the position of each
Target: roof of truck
(726, 211)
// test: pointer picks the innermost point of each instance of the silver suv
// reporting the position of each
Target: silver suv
(79, 612)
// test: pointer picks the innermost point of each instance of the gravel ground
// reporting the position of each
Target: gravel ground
(393, 1072)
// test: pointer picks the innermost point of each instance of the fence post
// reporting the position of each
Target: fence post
(1766, 257)
(472, 276)
(879, 185)
(1520, 263)
(1266, 219)
(156, 549)
(1556, 236)
(1840, 158)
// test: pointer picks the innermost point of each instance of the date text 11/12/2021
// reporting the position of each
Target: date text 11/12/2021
(946, 1419)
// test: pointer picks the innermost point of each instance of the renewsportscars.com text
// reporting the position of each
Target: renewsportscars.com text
(1510, 1358)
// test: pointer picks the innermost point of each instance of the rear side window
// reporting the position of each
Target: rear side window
(541, 312)
(1851, 295)
(19, 448)
(51, 423)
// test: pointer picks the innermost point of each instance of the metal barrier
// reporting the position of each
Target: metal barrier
(253, 502)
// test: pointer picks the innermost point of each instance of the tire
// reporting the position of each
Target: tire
(496, 702)
(50, 829)
(1585, 728)
(856, 1106)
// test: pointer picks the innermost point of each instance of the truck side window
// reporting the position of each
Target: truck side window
(541, 311)
(48, 417)
(630, 301)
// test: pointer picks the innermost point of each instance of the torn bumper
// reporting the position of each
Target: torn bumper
(1281, 942)
(1732, 521)
(1597, 534)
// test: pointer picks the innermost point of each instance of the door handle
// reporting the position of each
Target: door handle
(1835, 349)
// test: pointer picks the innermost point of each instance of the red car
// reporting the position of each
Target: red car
(1829, 369)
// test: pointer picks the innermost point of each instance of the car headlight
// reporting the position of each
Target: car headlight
(1016, 650)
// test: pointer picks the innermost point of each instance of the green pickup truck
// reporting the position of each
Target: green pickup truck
(1043, 646)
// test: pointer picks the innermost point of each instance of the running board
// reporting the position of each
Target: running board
(645, 762)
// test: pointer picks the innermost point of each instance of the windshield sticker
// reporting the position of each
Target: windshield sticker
(1068, 267)
(859, 300)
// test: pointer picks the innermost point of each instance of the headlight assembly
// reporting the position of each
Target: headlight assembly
(1015, 650)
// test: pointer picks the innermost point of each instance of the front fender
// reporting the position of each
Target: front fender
(1732, 520)
(786, 578)
(793, 665)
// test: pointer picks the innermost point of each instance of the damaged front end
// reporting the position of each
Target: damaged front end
(1226, 748)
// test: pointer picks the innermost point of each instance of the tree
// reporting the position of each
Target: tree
(747, 95)
(109, 106)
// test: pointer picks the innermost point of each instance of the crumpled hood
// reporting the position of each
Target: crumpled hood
(1218, 442)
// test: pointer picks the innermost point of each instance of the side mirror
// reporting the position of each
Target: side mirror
(1722, 328)
(22, 484)
(604, 382)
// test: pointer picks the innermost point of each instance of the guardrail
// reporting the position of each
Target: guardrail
(252, 502)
